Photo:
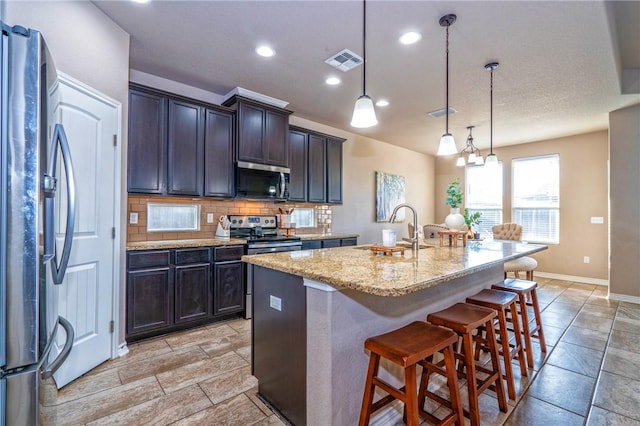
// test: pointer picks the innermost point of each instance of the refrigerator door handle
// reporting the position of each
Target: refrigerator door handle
(50, 369)
(58, 269)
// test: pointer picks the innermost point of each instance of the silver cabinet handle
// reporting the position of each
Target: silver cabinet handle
(66, 349)
(49, 184)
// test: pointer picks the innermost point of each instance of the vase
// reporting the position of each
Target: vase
(454, 220)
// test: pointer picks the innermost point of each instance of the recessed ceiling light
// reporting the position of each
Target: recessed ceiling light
(382, 103)
(265, 51)
(410, 37)
(332, 81)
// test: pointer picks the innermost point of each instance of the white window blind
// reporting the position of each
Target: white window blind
(536, 197)
(483, 193)
(173, 217)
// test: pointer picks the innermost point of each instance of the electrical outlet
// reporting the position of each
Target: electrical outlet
(587, 259)
(133, 218)
(209, 217)
(275, 303)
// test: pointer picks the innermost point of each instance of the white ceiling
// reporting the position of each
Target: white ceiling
(559, 71)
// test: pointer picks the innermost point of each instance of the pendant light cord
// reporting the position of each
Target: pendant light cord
(491, 114)
(364, 47)
(447, 84)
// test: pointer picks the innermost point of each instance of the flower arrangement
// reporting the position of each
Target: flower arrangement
(454, 194)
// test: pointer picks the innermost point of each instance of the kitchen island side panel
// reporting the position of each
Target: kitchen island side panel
(279, 341)
(338, 323)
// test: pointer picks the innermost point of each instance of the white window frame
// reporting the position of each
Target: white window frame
(550, 204)
(485, 225)
(191, 224)
(296, 217)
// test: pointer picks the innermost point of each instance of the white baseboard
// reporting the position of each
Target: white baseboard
(123, 349)
(585, 280)
(624, 298)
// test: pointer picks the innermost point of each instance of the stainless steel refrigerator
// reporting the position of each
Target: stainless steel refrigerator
(36, 170)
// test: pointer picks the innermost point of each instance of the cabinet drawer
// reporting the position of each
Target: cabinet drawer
(310, 245)
(221, 254)
(196, 255)
(148, 259)
(331, 243)
(349, 242)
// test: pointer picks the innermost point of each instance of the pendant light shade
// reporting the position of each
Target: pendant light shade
(447, 143)
(473, 154)
(364, 115)
(492, 159)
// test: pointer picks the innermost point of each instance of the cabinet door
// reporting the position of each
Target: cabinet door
(298, 165)
(317, 167)
(250, 133)
(147, 143)
(276, 139)
(218, 154)
(310, 245)
(148, 300)
(334, 171)
(185, 146)
(349, 242)
(334, 242)
(228, 284)
(192, 292)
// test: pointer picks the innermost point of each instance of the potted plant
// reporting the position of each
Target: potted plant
(454, 220)
(471, 219)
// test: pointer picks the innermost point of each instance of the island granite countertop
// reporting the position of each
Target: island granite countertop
(169, 244)
(357, 268)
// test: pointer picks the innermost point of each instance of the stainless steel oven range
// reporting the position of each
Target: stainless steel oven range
(261, 233)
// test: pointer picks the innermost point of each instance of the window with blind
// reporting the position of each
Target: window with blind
(483, 193)
(535, 200)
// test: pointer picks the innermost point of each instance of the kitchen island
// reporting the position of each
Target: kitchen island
(313, 309)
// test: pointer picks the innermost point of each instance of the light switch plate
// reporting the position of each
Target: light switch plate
(275, 303)
(597, 219)
(209, 217)
(133, 218)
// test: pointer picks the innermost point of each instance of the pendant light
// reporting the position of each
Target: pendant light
(363, 113)
(447, 143)
(492, 159)
(473, 154)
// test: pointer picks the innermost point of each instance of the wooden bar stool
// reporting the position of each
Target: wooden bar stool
(409, 346)
(505, 304)
(527, 296)
(464, 319)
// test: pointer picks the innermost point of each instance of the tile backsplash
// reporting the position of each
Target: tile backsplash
(138, 204)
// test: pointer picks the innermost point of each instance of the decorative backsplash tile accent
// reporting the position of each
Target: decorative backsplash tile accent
(138, 204)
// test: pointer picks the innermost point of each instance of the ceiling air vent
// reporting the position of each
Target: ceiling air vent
(441, 112)
(344, 60)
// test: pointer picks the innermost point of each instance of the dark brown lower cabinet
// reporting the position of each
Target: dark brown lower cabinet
(170, 290)
(329, 242)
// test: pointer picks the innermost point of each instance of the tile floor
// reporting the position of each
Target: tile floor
(590, 374)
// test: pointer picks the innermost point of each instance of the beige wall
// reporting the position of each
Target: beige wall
(583, 194)
(91, 48)
(362, 158)
(624, 149)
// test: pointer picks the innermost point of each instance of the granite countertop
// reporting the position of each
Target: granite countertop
(357, 268)
(169, 244)
(307, 237)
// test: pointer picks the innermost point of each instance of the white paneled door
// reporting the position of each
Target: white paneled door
(86, 296)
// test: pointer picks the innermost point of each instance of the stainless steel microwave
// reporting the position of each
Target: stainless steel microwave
(261, 181)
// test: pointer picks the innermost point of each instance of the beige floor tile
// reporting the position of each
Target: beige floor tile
(224, 344)
(163, 410)
(160, 363)
(88, 385)
(619, 395)
(104, 403)
(625, 340)
(137, 351)
(564, 308)
(199, 371)
(239, 411)
(572, 298)
(593, 322)
(229, 384)
(600, 310)
(583, 287)
(241, 325)
(245, 353)
(272, 420)
(629, 310)
(626, 324)
(623, 363)
(199, 336)
(593, 339)
(252, 394)
(601, 300)
(579, 359)
(535, 412)
(599, 417)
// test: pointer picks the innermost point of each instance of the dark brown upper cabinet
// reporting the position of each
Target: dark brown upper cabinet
(185, 146)
(298, 165)
(218, 154)
(262, 132)
(178, 146)
(147, 152)
(316, 167)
